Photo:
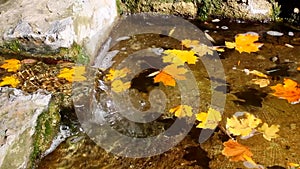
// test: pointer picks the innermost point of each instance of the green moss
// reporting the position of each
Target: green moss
(46, 129)
(76, 53)
(13, 46)
(207, 8)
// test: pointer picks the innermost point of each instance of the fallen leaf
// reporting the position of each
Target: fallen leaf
(10, 80)
(73, 74)
(245, 43)
(261, 82)
(258, 73)
(182, 111)
(168, 75)
(209, 120)
(289, 91)
(202, 50)
(298, 68)
(269, 132)
(293, 165)
(190, 43)
(165, 78)
(11, 65)
(114, 74)
(236, 151)
(179, 57)
(244, 126)
(119, 86)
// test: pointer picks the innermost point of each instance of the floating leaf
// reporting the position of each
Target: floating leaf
(11, 65)
(119, 86)
(10, 80)
(200, 49)
(179, 57)
(165, 78)
(242, 127)
(289, 91)
(190, 43)
(182, 111)
(209, 120)
(261, 82)
(258, 73)
(236, 151)
(114, 74)
(269, 132)
(73, 74)
(245, 43)
(293, 166)
(168, 75)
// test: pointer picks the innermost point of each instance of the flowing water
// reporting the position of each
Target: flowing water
(278, 58)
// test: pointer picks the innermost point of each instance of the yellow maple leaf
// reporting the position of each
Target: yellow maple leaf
(179, 57)
(258, 73)
(209, 120)
(119, 86)
(289, 91)
(11, 65)
(74, 74)
(114, 74)
(236, 151)
(202, 50)
(245, 43)
(168, 75)
(182, 111)
(190, 43)
(244, 126)
(269, 132)
(10, 80)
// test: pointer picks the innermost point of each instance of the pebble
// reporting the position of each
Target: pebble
(224, 27)
(291, 33)
(274, 33)
(215, 20)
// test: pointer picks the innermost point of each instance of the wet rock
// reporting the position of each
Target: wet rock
(42, 26)
(20, 119)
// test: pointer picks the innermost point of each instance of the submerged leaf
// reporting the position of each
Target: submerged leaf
(10, 80)
(74, 74)
(236, 151)
(179, 57)
(261, 82)
(289, 91)
(243, 127)
(114, 74)
(269, 132)
(208, 120)
(11, 65)
(182, 111)
(119, 86)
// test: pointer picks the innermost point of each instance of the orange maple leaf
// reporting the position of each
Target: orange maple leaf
(289, 91)
(168, 75)
(165, 78)
(245, 43)
(236, 151)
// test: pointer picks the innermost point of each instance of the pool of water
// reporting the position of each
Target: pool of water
(278, 58)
